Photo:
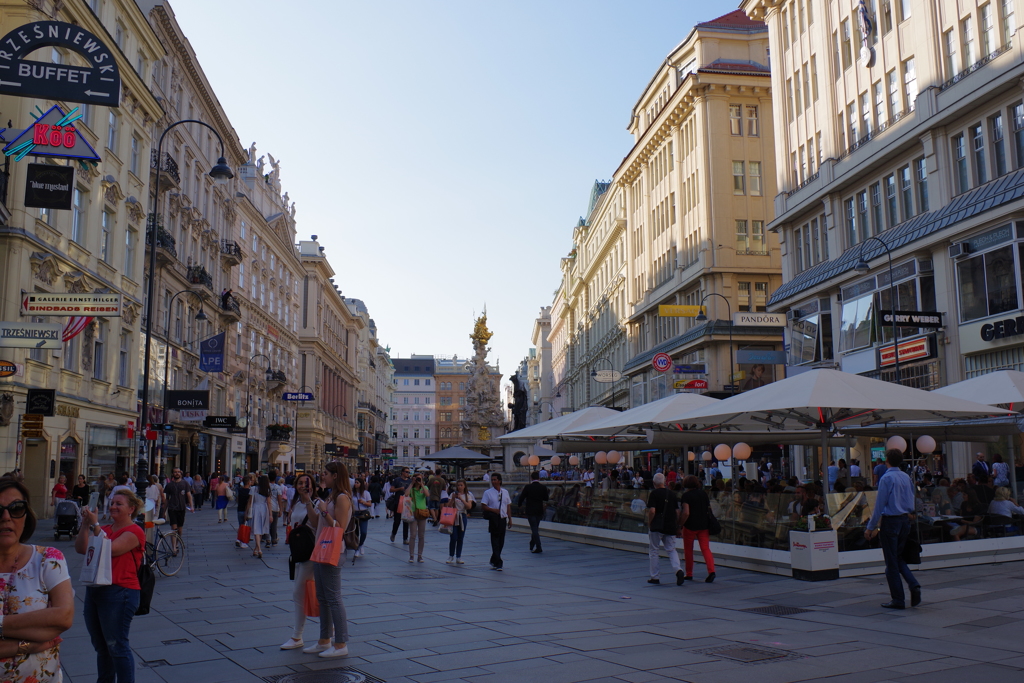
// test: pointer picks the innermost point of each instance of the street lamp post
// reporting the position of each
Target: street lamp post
(703, 318)
(540, 407)
(221, 173)
(334, 414)
(593, 375)
(200, 316)
(248, 395)
(862, 267)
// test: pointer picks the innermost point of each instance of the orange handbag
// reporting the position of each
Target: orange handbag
(329, 545)
(312, 607)
(243, 533)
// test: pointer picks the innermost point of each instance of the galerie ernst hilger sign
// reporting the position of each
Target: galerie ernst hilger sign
(95, 305)
(98, 83)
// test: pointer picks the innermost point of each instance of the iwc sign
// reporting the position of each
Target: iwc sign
(98, 83)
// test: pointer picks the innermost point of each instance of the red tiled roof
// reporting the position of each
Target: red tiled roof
(734, 19)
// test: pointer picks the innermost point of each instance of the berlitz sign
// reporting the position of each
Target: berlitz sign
(98, 83)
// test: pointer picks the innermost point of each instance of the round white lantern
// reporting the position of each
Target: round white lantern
(925, 445)
(556, 461)
(601, 458)
(897, 442)
(524, 460)
(613, 457)
(706, 456)
(741, 451)
(691, 456)
(723, 452)
(534, 460)
(574, 460)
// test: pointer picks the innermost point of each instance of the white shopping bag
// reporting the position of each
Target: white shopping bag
(96, 569)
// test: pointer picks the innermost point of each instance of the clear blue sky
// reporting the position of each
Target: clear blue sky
(442, 150)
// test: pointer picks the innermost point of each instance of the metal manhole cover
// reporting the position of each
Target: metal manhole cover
(749, 654)
(176, 641)
(776, 610)
(423, 576)
(343, 675)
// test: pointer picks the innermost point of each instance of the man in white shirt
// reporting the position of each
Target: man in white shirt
(497, 507)
(588, 478)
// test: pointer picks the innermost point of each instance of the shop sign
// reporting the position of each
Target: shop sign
(606, 376)
(297, 396)
(30, 335)
(49, 187)
(990, 238)
(188, 400)
(672, 311)
(690, 369)
(41, 402)
(68, 411)
(190, 415)
(7, 368)
(929, 319)
(759, 319)
(98, 83)
(52, 135)
(914, 349)
(696, 384)
(661, 362)
(62, 304)
(220, 422)
(853, 291)
(211, 353)
(1011, 327)
(899, 273)
(330, 449)
(756, 356)
(31, 426)
(129, 429)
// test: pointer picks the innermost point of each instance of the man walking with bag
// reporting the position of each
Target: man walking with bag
(663, 524)
(534, 496)
(891, 522)
(497, 505)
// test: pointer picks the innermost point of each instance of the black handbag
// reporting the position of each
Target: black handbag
(912, 551)
(147, 582)
(657, 523)
(714, 526)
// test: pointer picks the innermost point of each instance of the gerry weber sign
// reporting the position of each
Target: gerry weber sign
(99, 83)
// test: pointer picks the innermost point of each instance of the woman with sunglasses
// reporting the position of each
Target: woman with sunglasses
(417, 501)
(336, 510)
(39, 602)
(302, 512)
(109, 609)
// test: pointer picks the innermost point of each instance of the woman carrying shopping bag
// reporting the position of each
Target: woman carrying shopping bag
(417, 501)
(462, 501)
(109, 609)
(302, 518)
(335, 514)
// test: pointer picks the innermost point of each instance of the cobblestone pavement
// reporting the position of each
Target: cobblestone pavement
(573, 613)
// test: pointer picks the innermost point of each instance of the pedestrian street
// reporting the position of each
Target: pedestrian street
(571, 614)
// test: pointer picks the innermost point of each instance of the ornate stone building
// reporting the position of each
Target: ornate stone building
(374, 394)
(94, 247)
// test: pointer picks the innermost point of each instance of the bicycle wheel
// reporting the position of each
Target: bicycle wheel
(168, 560)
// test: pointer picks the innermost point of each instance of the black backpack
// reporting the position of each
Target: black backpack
(302, 541)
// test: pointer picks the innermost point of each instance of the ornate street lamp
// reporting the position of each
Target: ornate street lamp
(703, 318)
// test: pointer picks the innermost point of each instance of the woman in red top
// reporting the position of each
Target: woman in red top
(109, 609)
(60, 490)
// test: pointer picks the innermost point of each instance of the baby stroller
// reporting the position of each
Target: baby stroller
(67, 520)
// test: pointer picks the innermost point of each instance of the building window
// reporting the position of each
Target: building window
(998, 146)
(906, 193)
(735, 119)
(789, 97)
(988, 30)
(904, 10)
(886, 16)
(99, 345)
(967, 36)
(752, 125)
(71, 348)
(814, 76)
(978, 144)
(757, 236)
(106, 227)
(1009, 25)
(847, 44)
(133, 162)
(921, 178)
(742, 237)
(131, 238)
(851, 222)
(755, 179)
(894, 96)
(743, 296)
(78, 201)
(876, 208)
(960, 164)
(807, 85)
(738, 182)
(112, 132)
(910, 84)
(988, 284)
(862, 215)
(890, 201)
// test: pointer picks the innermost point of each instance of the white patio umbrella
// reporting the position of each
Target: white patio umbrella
(646, 415)
(552, 428)
(826, 400)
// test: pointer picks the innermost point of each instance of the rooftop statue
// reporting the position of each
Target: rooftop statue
(481, 335)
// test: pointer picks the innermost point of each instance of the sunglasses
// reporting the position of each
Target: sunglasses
(17, 509)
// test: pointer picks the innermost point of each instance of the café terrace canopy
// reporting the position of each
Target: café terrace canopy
(552, 428)
(1004, 387)
(644, 416)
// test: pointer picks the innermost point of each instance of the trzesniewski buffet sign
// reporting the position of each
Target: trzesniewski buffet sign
(95, 305)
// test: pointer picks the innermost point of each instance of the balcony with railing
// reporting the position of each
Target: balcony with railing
(974, 67)
(230, 310)
(167, 167)
(277, 376)
(231, 252)
(166, 247)
(199, 277)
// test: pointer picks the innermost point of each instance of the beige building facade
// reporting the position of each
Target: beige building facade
(917, 119)
(683, 221)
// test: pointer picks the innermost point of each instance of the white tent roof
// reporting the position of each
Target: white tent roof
(819, 398)
(654, 412)
(552, 428)
(1003, 386)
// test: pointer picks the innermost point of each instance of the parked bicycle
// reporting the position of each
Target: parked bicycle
(167, 553)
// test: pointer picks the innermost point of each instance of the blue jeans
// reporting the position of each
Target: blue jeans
(893, 533)
(108, 616)
(534, 521)
(363, 524)
(457, 537)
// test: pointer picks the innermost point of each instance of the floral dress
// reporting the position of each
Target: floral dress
(27, 590)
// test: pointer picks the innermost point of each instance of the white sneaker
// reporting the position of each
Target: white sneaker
(360, 552)
(335, 652)
(316, 647)
(458, 560)
(411, 561)
(292, 644)
(450, 560)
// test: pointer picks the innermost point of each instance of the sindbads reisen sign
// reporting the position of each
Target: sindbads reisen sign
(95, 305)
(49, 187)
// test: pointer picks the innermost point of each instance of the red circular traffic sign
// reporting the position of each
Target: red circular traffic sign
(661, 362)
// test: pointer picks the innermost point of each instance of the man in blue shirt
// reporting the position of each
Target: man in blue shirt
(891, 522)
